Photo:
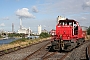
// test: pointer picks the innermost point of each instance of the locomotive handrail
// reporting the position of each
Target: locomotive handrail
(76, 32)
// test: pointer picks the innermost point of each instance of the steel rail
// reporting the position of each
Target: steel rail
(26, 58)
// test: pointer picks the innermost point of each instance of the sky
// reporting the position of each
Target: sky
(42, 12)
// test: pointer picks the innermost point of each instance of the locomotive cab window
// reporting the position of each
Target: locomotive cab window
(75, 30)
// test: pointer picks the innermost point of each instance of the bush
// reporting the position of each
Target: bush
(44, 35)
(16, 35)
(0, 36)
(88, 31)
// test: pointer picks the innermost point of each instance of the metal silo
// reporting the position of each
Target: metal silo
(84, 28)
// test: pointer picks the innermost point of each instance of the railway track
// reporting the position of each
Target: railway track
(55, 56)
(88, 52)
(41, 51)
(84, 52)
(78, 53)
(44, 54)
(7, 51)
(36, 52)
(20, 53)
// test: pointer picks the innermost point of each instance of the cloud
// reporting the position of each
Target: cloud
(62, 6)
(83, 18)
(2, 24)
(86, 4)
(6, 18)
(34, 9)
(24, 13)
(44, 26)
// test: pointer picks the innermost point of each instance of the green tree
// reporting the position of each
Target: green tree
(44, 35)
(0, 36)
(16, 35)
(88, 31)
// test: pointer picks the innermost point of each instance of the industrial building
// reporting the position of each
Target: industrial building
(39, 29)
(44, 31)
(24, 30)
(60, 18)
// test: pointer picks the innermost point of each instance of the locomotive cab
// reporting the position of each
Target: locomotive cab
(68, 35)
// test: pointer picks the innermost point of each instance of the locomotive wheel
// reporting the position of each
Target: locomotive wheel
(52, 49)
(56, 47)
(70, 46)
(68, 49)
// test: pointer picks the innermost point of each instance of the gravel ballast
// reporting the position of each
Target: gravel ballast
(76, 53)
(22, 53)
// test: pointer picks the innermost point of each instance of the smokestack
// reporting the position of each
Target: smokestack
(12, 27)
(20, 23)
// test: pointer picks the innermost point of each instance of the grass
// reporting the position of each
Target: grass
(21, 42)
(25, 42)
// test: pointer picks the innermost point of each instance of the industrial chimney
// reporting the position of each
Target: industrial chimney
(12, 27)
(20, 23)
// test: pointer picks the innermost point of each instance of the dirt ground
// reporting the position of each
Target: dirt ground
(87, 37)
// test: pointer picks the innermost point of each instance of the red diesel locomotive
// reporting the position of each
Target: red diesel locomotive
(68, 35)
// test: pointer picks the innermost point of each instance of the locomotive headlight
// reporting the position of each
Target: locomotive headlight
(60, 35)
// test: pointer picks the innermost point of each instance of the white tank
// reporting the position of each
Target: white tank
(84, 28)
(60, 18)
(39, 29)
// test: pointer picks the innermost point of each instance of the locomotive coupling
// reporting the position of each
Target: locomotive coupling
(62, 44)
